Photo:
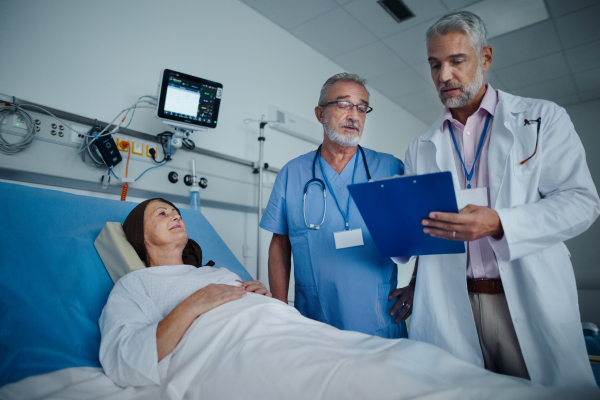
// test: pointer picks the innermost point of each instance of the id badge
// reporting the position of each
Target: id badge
(349, 238)
(476, 196)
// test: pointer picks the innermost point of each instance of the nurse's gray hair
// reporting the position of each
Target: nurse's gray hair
(341, 77)
(460, 21)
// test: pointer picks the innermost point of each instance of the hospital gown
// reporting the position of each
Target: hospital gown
(137, 303)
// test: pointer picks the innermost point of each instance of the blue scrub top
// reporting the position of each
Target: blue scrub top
(346, 288)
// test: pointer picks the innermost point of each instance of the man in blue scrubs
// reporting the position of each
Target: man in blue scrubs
(340, 278)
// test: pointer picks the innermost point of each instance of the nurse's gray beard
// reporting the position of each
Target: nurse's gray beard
(467, 93)
(336, 137)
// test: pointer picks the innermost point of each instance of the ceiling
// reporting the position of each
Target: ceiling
(557, 59)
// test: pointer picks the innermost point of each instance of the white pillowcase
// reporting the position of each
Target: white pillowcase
(117, 254)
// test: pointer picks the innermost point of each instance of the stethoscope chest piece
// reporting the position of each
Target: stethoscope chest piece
(317, 181)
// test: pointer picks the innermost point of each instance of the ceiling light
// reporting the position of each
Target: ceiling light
(397, 9)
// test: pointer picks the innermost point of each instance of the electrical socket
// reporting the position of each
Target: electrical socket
(151, 146)
(138, 148)
(19, 122)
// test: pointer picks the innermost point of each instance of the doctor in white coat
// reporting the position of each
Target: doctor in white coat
(509, 303)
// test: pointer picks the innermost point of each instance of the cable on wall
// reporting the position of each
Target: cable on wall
(90, 147)
(10, 109)
(164, 139)
(86, 144)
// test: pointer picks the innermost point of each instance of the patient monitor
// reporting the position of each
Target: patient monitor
(188, 103)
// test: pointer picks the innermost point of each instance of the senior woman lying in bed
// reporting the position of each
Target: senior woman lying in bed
(153, 308)
(198, 332)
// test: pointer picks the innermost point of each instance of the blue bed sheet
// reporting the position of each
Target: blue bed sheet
(53, 284)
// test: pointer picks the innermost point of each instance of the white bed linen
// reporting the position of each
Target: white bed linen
(261, 348)
(80, 383)
(85, 383)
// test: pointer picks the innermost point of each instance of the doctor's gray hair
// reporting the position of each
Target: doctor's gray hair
(460, 21)
(342, 77)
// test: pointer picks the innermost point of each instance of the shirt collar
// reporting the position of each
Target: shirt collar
(488, 103)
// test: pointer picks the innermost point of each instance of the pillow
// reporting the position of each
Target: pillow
(117, 254)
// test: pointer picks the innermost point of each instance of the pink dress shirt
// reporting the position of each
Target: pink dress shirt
(481, 259)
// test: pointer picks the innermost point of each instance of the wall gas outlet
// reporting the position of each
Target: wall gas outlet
(138, 148)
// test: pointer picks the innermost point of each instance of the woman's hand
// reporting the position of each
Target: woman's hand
(256, 287)
(212, 296)
(172, 328)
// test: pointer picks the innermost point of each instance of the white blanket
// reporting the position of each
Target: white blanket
(86, 383)
(261, 348)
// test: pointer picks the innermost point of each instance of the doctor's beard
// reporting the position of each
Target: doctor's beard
(336, 137)
(467, 93)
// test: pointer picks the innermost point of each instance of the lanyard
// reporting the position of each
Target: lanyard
(346, 215)
(469, 175)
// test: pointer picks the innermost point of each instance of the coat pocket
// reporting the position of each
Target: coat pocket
(387, 327)
(524, 149)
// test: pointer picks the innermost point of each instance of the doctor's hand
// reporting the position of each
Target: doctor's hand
(471, 223)
(405, 300)
(256, 287)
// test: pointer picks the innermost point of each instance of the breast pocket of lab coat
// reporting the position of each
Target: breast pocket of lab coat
(525, 149)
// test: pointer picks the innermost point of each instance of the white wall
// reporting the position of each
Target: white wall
(585, 249)
(94, 58)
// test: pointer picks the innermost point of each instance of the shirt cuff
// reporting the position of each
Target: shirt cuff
(500, 247)
(401, 260)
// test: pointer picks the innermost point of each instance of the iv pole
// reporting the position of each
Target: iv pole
(259, 168)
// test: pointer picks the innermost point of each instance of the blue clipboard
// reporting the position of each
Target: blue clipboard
(394, 208)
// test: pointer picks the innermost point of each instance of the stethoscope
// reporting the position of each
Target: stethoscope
(317, 181)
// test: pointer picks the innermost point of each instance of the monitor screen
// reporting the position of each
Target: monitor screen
(188, 101)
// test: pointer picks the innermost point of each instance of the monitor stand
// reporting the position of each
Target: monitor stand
(180, 133)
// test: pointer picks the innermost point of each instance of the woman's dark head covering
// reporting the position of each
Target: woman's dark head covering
(134, 231)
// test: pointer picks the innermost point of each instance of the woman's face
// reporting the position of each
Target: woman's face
(163, 225)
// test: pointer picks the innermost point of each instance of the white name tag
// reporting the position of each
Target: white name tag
(350, 238)
(476, 196)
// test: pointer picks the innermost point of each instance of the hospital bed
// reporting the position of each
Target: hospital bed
(53, 287)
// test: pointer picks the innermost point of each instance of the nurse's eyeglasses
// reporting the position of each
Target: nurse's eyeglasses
(539, 123)
(347, 106)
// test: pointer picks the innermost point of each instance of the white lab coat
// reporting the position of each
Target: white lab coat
(549, 199)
